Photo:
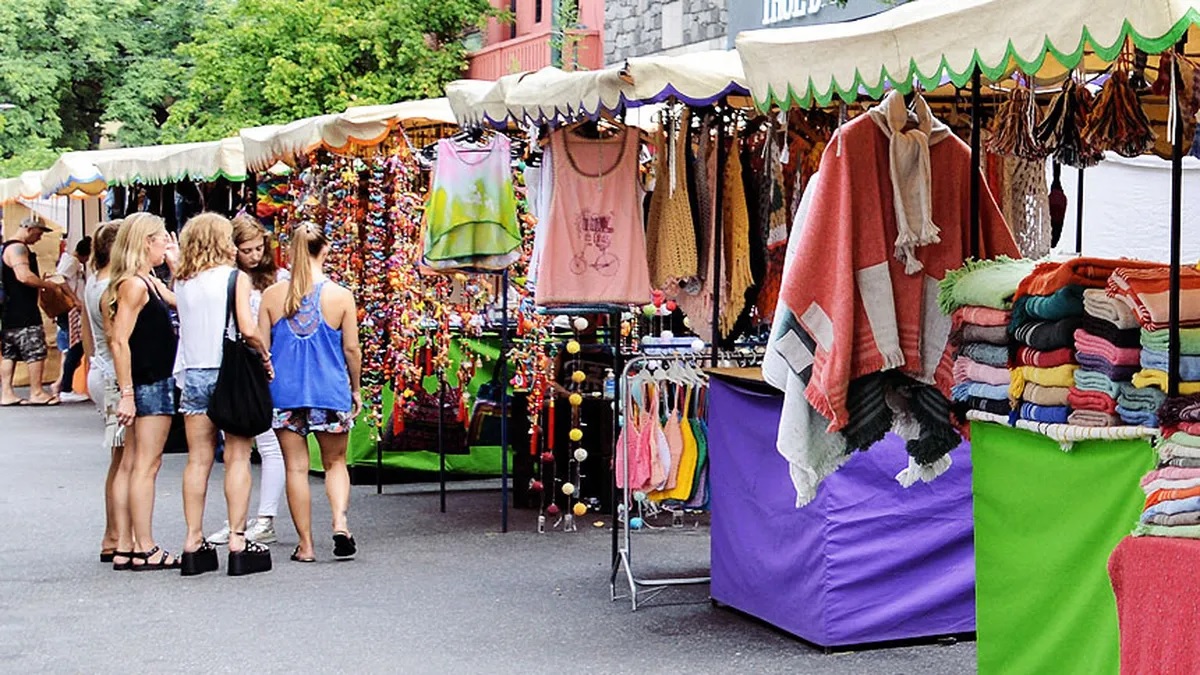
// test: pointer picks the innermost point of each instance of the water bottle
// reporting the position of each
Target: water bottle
(610, 385)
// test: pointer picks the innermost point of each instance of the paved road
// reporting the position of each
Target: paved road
(429, 593)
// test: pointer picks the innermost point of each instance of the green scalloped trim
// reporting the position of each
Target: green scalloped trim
(138, 180)
(1011, 61)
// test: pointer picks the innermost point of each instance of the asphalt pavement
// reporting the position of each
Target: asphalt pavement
(428, 593)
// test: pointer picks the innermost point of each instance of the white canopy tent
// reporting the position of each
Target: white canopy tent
(26, 186)
(357, 126)
(92, 171)
(926, 40)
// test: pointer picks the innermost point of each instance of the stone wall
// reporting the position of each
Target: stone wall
(642, 27)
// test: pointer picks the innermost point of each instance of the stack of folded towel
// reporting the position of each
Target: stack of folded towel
(1144, 292)
(978, 297)
(1047, 313)
(1173, 489)
(1108, 349)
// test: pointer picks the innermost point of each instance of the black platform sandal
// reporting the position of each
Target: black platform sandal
(253, 559)
(107, 556)
(122, 566)
(148, 566)
(344, 547)
(203, 559)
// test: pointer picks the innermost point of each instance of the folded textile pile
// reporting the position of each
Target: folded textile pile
(978, 298)
(1109, 352)
(1145, 292)
(1172, 507)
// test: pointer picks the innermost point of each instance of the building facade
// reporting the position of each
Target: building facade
(526, 43)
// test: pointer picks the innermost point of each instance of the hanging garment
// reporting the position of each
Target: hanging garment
(595, 250)
(684, 473)
(673, 435)
(1027, 205)
(695, 299)
(649, 444)
(735, 225)
(670, 233)
(471, 220)
(639, 459)
(860, 295)
(777, 237)
(539, 202)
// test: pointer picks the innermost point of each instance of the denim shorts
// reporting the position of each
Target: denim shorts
(304, 421)
(156, 398)
(197, 390)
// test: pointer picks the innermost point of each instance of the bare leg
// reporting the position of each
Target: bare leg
(295, 460)
(337, 476)
(237, 488)
(150, 436)
(119, 499)
(110, 508)
(37, 393)
(8, 369)
(202, 442)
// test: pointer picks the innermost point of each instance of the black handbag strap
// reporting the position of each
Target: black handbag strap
(230, 303)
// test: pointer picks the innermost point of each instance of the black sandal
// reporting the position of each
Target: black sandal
(122, 566)
(203, 559)
(344, 547)
(148, 566)
(253, 559)
(296, 556)
(106, 555)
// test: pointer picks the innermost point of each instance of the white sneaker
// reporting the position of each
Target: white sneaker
(72, 397)
(262, 531)
(221, 536)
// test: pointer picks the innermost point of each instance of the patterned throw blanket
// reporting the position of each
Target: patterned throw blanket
(1147, 292)
(849, 309)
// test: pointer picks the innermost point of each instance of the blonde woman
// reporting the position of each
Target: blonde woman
(312, 329)
(202, 288)
(117, 545)
(143, 346)
(254, 257)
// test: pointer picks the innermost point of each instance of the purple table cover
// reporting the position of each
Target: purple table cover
(866, 561)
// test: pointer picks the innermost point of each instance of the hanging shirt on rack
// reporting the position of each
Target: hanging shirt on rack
(595, 249)
(471, 221)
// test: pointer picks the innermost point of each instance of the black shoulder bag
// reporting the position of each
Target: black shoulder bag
(241, 401)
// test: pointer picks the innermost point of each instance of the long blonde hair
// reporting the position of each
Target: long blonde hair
(307, 243)
(130, 252)
(206, 242)
(246, 228)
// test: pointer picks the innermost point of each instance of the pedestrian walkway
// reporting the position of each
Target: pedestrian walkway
(429, 592)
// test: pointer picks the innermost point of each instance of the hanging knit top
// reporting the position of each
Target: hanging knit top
(471, 220)
(670, 232)
(310, 366)
(595, 248)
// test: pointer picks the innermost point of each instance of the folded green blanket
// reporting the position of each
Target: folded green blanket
(1182, 531)
(1158, 340)
(1063, 303)
(983, 283)
(1092, 380)
(1184, 438)
(1146, 399)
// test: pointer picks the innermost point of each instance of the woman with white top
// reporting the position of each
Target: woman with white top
(202, 292)
(255, 258)
(117, 545)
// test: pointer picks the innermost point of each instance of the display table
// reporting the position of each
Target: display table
(867, 561)
(1045, 524)
(1158, 604)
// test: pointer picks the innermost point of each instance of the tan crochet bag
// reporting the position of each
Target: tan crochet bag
(670, 233)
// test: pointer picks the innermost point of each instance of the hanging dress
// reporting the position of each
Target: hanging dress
(595, 244)
(735, 221)
(685, 476)
(639, 457)
(699, 495)
(471, 219)
(670, 232)
(696, 298)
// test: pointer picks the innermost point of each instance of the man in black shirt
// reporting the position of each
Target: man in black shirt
(22, 336)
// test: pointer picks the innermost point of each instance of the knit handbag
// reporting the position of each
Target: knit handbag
(670, 233)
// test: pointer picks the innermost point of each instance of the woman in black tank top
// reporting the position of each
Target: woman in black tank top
(143, 346)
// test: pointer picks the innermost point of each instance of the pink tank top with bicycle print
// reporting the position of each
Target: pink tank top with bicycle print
(595, 248)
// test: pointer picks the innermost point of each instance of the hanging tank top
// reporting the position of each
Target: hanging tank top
(471, 219)
(595, 245)
(153, 343)
(310, 366)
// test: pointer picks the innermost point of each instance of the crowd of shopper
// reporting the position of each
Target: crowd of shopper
(151, 317)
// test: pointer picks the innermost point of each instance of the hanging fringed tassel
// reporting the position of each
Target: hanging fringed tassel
(1118, 122)
(1062, 129)
(1013, 130)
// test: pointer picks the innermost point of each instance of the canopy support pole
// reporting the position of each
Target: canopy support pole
(976, 159)
(504, 401)
(718, 237)
(1079, 212)
(1176, 243)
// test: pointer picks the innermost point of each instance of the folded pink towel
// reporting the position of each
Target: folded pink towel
(966, 370)
(1171, 473)
(980, 316)
(1093, 418)
(1086, 343)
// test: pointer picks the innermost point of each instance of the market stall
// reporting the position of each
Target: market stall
(1053, 611)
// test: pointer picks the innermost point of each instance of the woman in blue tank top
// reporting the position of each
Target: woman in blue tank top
(312, 325)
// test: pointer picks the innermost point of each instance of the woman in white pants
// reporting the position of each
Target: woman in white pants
(256, 258)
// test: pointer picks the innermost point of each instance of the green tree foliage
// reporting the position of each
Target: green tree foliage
(71, 65)
(271, 61)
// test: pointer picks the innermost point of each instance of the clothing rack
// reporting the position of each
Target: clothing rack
(622, 532)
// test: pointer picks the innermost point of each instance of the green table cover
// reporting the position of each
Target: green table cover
(1046, 522)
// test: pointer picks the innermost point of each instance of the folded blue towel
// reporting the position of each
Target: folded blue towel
(1144, 418)
(1049, 414)
(1189, 366)
(967, 390)
(987, 354)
